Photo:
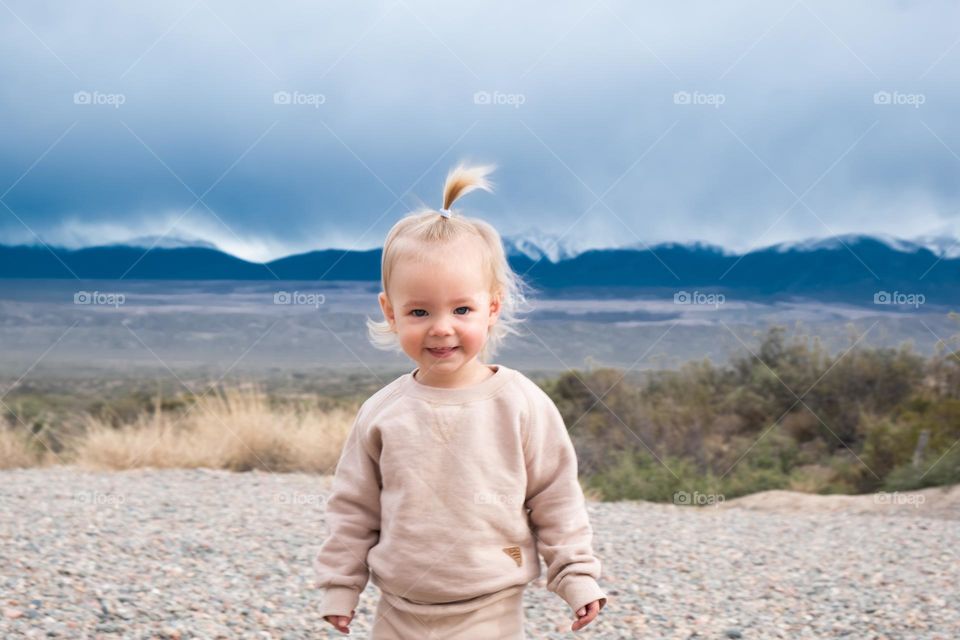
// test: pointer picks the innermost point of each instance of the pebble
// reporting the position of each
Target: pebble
(200, 554)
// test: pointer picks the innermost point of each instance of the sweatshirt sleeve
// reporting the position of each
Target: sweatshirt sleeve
(557, 506)
(353, 517)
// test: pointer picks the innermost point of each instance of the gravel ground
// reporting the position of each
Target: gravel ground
(211, 554)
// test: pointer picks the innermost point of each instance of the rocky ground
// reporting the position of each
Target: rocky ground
(212, 554)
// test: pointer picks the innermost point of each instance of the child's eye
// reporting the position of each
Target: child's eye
(419, 313)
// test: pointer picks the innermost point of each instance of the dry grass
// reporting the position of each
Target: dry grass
(811, 478)
(15, 451)
(234, 429)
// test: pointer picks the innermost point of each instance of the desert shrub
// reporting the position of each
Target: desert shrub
(234, 429)
(636, 476)
(931, 472)
(16, 450)
(805, 418)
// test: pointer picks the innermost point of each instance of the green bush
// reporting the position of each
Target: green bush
(636, 476)
(933, 471)
(786, 414)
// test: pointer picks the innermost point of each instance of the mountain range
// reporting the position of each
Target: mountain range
(852, 267)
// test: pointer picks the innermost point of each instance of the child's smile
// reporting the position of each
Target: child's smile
(442, 353)
(442, 311)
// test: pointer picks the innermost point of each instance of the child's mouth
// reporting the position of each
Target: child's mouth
(442, 353)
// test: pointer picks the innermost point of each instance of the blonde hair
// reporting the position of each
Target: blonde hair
(433, 228)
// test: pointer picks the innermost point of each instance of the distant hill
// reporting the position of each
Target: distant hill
(845, 267)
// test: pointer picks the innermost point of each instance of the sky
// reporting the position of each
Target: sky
(281, 128)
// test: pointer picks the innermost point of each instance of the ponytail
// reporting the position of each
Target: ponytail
(462, 180)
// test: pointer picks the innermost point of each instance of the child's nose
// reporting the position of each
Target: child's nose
(443, 326)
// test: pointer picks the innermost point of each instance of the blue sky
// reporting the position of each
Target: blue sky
(276, 129)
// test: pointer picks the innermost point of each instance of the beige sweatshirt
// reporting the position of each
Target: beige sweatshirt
(443, 497)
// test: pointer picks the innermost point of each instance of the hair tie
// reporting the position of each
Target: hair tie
(446, 213)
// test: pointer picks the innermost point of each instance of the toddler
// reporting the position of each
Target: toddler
(456, 475)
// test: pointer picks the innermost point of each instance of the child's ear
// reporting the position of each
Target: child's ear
(387, 309)
(495, 306)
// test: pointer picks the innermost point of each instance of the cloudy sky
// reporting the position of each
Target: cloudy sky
(288, 127)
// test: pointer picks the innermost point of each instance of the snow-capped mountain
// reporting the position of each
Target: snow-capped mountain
(944, 245)
(940, 245)
(166, 242)
(696, 245)
(848, 268)
(536, 245)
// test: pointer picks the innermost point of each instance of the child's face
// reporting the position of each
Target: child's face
(443, 301)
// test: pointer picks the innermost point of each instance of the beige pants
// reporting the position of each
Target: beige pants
(500, 620)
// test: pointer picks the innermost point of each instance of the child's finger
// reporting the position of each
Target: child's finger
(582, 612)
(592, 610)
(340, 622)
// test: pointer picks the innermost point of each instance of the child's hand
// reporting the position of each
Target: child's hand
(341, 622)
(586, 614)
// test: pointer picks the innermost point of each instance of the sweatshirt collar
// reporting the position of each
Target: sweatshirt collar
(479, 391)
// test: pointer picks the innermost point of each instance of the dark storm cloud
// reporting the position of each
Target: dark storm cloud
(303, 125)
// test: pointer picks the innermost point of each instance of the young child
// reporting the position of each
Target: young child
(455, 475)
